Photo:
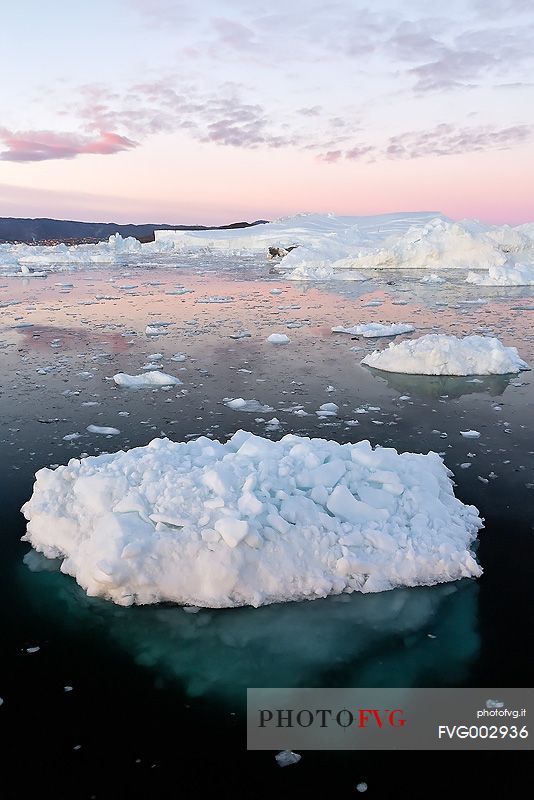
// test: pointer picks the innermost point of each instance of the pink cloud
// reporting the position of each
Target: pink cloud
(46, 145)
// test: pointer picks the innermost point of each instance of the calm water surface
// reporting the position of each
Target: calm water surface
(156, 707)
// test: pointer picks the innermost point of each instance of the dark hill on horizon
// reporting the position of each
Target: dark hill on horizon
(42, 229)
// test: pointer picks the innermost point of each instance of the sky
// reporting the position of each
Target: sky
(175, 111)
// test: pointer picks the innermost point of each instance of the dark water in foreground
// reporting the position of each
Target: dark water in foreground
(157, 701)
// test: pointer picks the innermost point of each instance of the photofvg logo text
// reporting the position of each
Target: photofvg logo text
(389, 719)
(325, 717)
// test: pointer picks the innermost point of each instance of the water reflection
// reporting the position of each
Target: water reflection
(439, 385)
(367, 640)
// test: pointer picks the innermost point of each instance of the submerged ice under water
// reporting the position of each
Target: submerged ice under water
(406, 637)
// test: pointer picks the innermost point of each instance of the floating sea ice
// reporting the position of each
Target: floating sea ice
(157, 329)
(215, 299)
(239, 404)
(103, 430)
(327, 410)
(272, 424)
(470, 434)
(178, 357)
(251, 521)
(323, 272)
(278, 338)
(372, 330)
(440, 354)
(148, 380)
(25, 272)
(70, 437)
(432, 278)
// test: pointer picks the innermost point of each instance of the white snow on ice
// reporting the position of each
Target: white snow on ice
(439, 354)
(251, 521)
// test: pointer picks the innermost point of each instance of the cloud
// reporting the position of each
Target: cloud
(446, 140)
(442, 140)
(331, 156)
(234, 34)
(162, 12)
(160, 106)
(359, 152)
(498, 8)
(25, 146)
(435, 48)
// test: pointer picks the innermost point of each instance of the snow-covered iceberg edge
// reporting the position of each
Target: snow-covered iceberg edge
(251, 521)
(16, 260)
(510, 275)
(324, 246)
(438, 354)
(435, 243)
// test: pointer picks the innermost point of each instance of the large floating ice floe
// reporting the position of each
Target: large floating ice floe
(251, 521)
(438, 354)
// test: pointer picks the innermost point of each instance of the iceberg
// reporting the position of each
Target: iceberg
(439, 354)
(251, 521)
(314, 247)
(430, 243)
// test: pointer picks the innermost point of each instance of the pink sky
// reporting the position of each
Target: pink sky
(243, 113)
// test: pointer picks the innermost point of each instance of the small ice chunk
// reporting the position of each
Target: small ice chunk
(373, 330)
(148, 380)
(103, 429)
(278, 338)
(239, 404)
(327, 410)
(470, 434)
(232, 530)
